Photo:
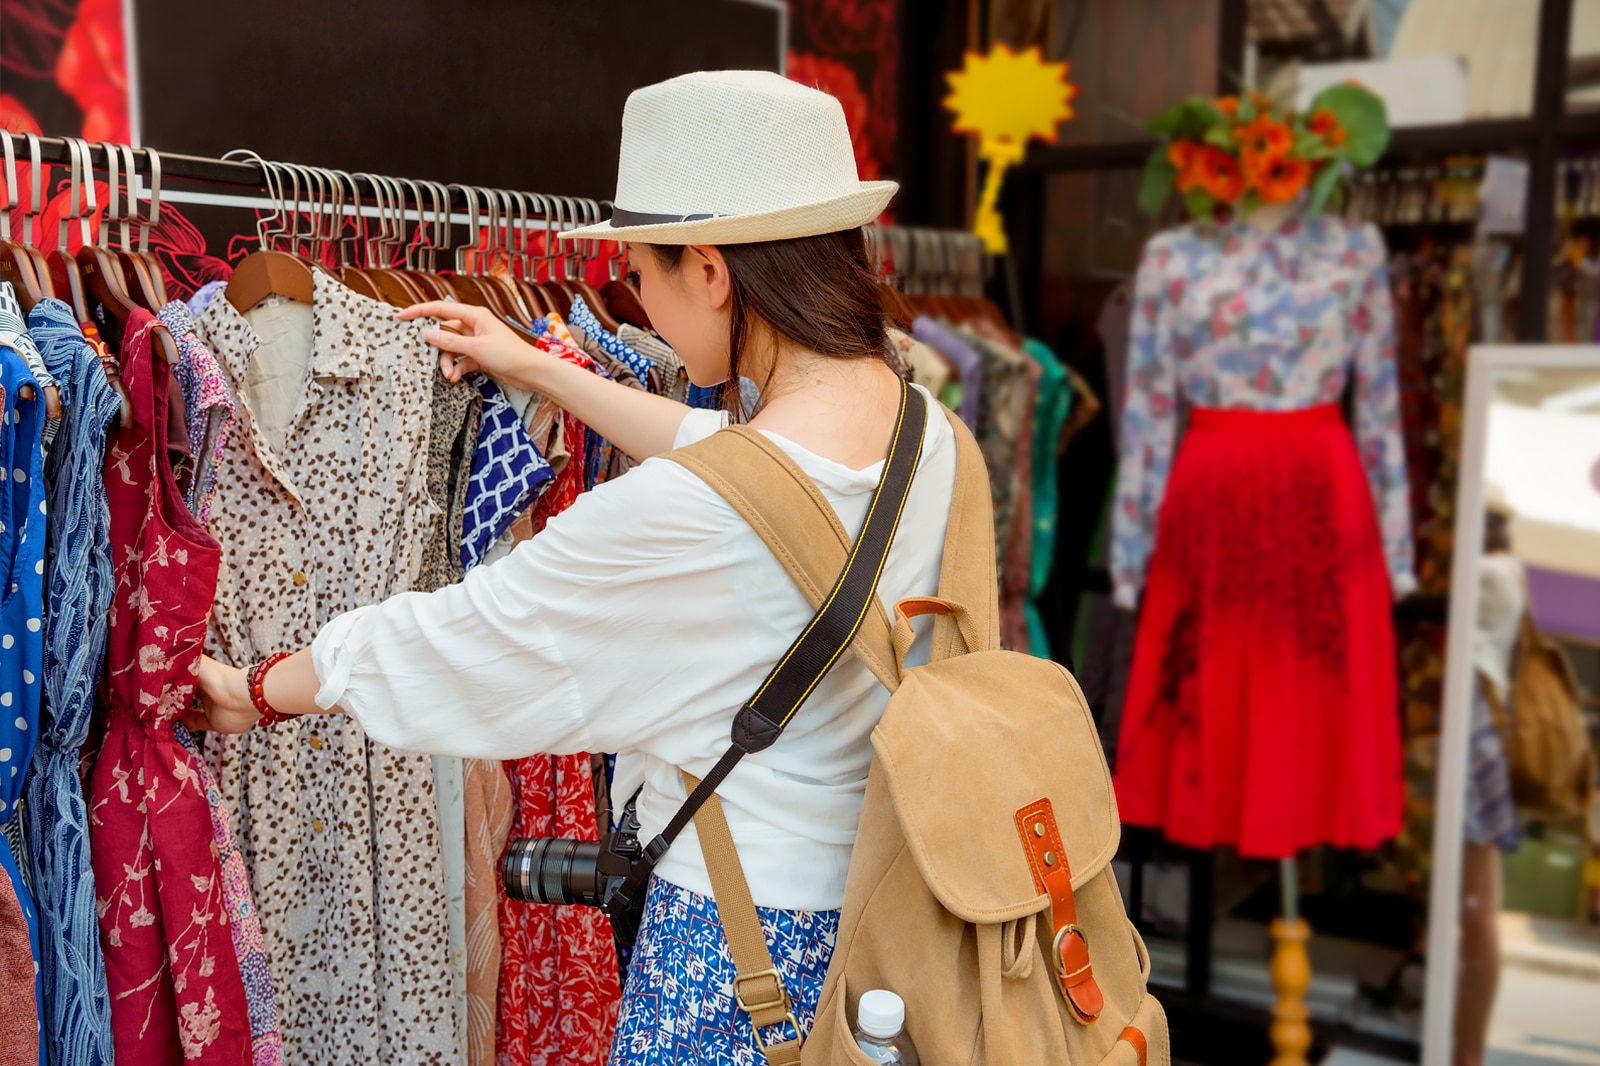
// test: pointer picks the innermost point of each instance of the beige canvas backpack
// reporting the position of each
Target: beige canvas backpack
(980, 888)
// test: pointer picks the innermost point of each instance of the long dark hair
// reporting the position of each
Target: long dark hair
(817, 292)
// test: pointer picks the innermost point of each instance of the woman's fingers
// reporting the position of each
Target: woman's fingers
(441, 309)
(449, 341)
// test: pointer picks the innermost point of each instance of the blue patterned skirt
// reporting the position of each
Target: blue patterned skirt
(1491, 816)
(678, 1006)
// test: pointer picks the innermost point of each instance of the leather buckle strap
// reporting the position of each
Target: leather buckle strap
(1052, 875)
(777, 997)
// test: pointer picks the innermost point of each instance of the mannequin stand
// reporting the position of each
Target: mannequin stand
(1291, 975)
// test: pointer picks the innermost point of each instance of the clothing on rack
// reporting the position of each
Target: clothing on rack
(76, 1006)
(163, 919)
(23, 516)
(1258, 333)
(322, 505)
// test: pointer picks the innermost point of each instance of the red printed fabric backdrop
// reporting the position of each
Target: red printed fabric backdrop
(64, 70)
(850, 48)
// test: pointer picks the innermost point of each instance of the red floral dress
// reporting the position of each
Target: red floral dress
(176, 993)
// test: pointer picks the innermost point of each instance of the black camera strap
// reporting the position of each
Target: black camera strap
(762, 719)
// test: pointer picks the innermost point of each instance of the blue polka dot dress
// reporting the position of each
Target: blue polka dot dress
(22, 522)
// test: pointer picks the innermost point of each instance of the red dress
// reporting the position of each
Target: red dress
(176, 993)
(1262, 706)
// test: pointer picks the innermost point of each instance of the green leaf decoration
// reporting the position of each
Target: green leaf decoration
(1364, 118)
(1323, 182)
(1167, 122)
(1200, 203)
(1156, 184)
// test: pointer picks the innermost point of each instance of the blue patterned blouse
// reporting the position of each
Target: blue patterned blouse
(77, 1011)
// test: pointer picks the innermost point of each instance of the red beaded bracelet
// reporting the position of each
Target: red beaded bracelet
(258, 679)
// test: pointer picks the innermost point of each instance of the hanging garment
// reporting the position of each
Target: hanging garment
(559, 986)
(322, 506)
(208, 407)
(508, 473)
(452, 439)
(14, 335)
(583, 318)
(23, 517)
(175, 993)
(77, 1010)
(244, 922)
(967, 364)
(1261, 709)
(668, 364)
(489, 811)
(1053, 401)
(19, 1029)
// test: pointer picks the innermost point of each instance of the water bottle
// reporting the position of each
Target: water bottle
(880, 1029)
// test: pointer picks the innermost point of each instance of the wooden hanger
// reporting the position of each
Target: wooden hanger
(158, 281)
(132, 272)
(16, 265)
(577, 255)
(268, 272)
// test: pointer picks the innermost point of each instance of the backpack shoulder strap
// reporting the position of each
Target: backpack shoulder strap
(795, 521)
(967, 573)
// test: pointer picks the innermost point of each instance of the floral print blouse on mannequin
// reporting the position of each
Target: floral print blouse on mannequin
(1230, 316)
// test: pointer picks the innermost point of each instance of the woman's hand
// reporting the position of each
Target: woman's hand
(224, 696)
(474, 338)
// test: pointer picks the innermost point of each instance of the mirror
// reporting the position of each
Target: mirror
(1514, 900)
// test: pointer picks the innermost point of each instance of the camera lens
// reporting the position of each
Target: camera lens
(550, 870)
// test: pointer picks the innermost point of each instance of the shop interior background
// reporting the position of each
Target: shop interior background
(371, 86)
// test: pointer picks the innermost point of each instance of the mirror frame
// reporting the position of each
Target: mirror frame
(1444, 899)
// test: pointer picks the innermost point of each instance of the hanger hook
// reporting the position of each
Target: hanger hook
(11, 184)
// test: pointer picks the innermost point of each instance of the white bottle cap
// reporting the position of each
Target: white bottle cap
(881, 1013)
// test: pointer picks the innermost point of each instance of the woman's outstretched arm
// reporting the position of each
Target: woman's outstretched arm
(474, 338)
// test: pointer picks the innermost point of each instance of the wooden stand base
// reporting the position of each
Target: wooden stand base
(1291, 976)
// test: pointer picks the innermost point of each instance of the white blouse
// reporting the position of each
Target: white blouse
(638, 622)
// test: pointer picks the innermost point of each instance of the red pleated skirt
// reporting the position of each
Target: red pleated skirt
(1262, 710)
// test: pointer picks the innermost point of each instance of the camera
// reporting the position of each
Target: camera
(588, 872)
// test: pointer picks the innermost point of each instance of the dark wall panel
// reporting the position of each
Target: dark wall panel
(520, 94)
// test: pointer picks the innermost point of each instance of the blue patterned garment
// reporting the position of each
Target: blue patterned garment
(204, 295)
(77, 1012)
(582, 318)
(507, 474)
(678, 1005)
(23, 514)
(1491, 817)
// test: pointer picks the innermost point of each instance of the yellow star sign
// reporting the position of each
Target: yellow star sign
(1007, 99)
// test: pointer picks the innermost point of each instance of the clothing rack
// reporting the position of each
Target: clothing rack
(304, 183)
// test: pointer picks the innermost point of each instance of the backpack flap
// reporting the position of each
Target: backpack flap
(968, 742)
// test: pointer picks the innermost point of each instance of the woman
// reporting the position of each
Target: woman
(1491, 827)
(643, 616)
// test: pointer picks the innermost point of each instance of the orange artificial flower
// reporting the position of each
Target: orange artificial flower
(1261, 101)
(1264, 141)
(1181, 154)
(1282, 180)
(1228, 105)
(1217, 174)
(1327, 126)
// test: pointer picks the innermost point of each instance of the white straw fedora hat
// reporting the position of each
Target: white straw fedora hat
(732, 157)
